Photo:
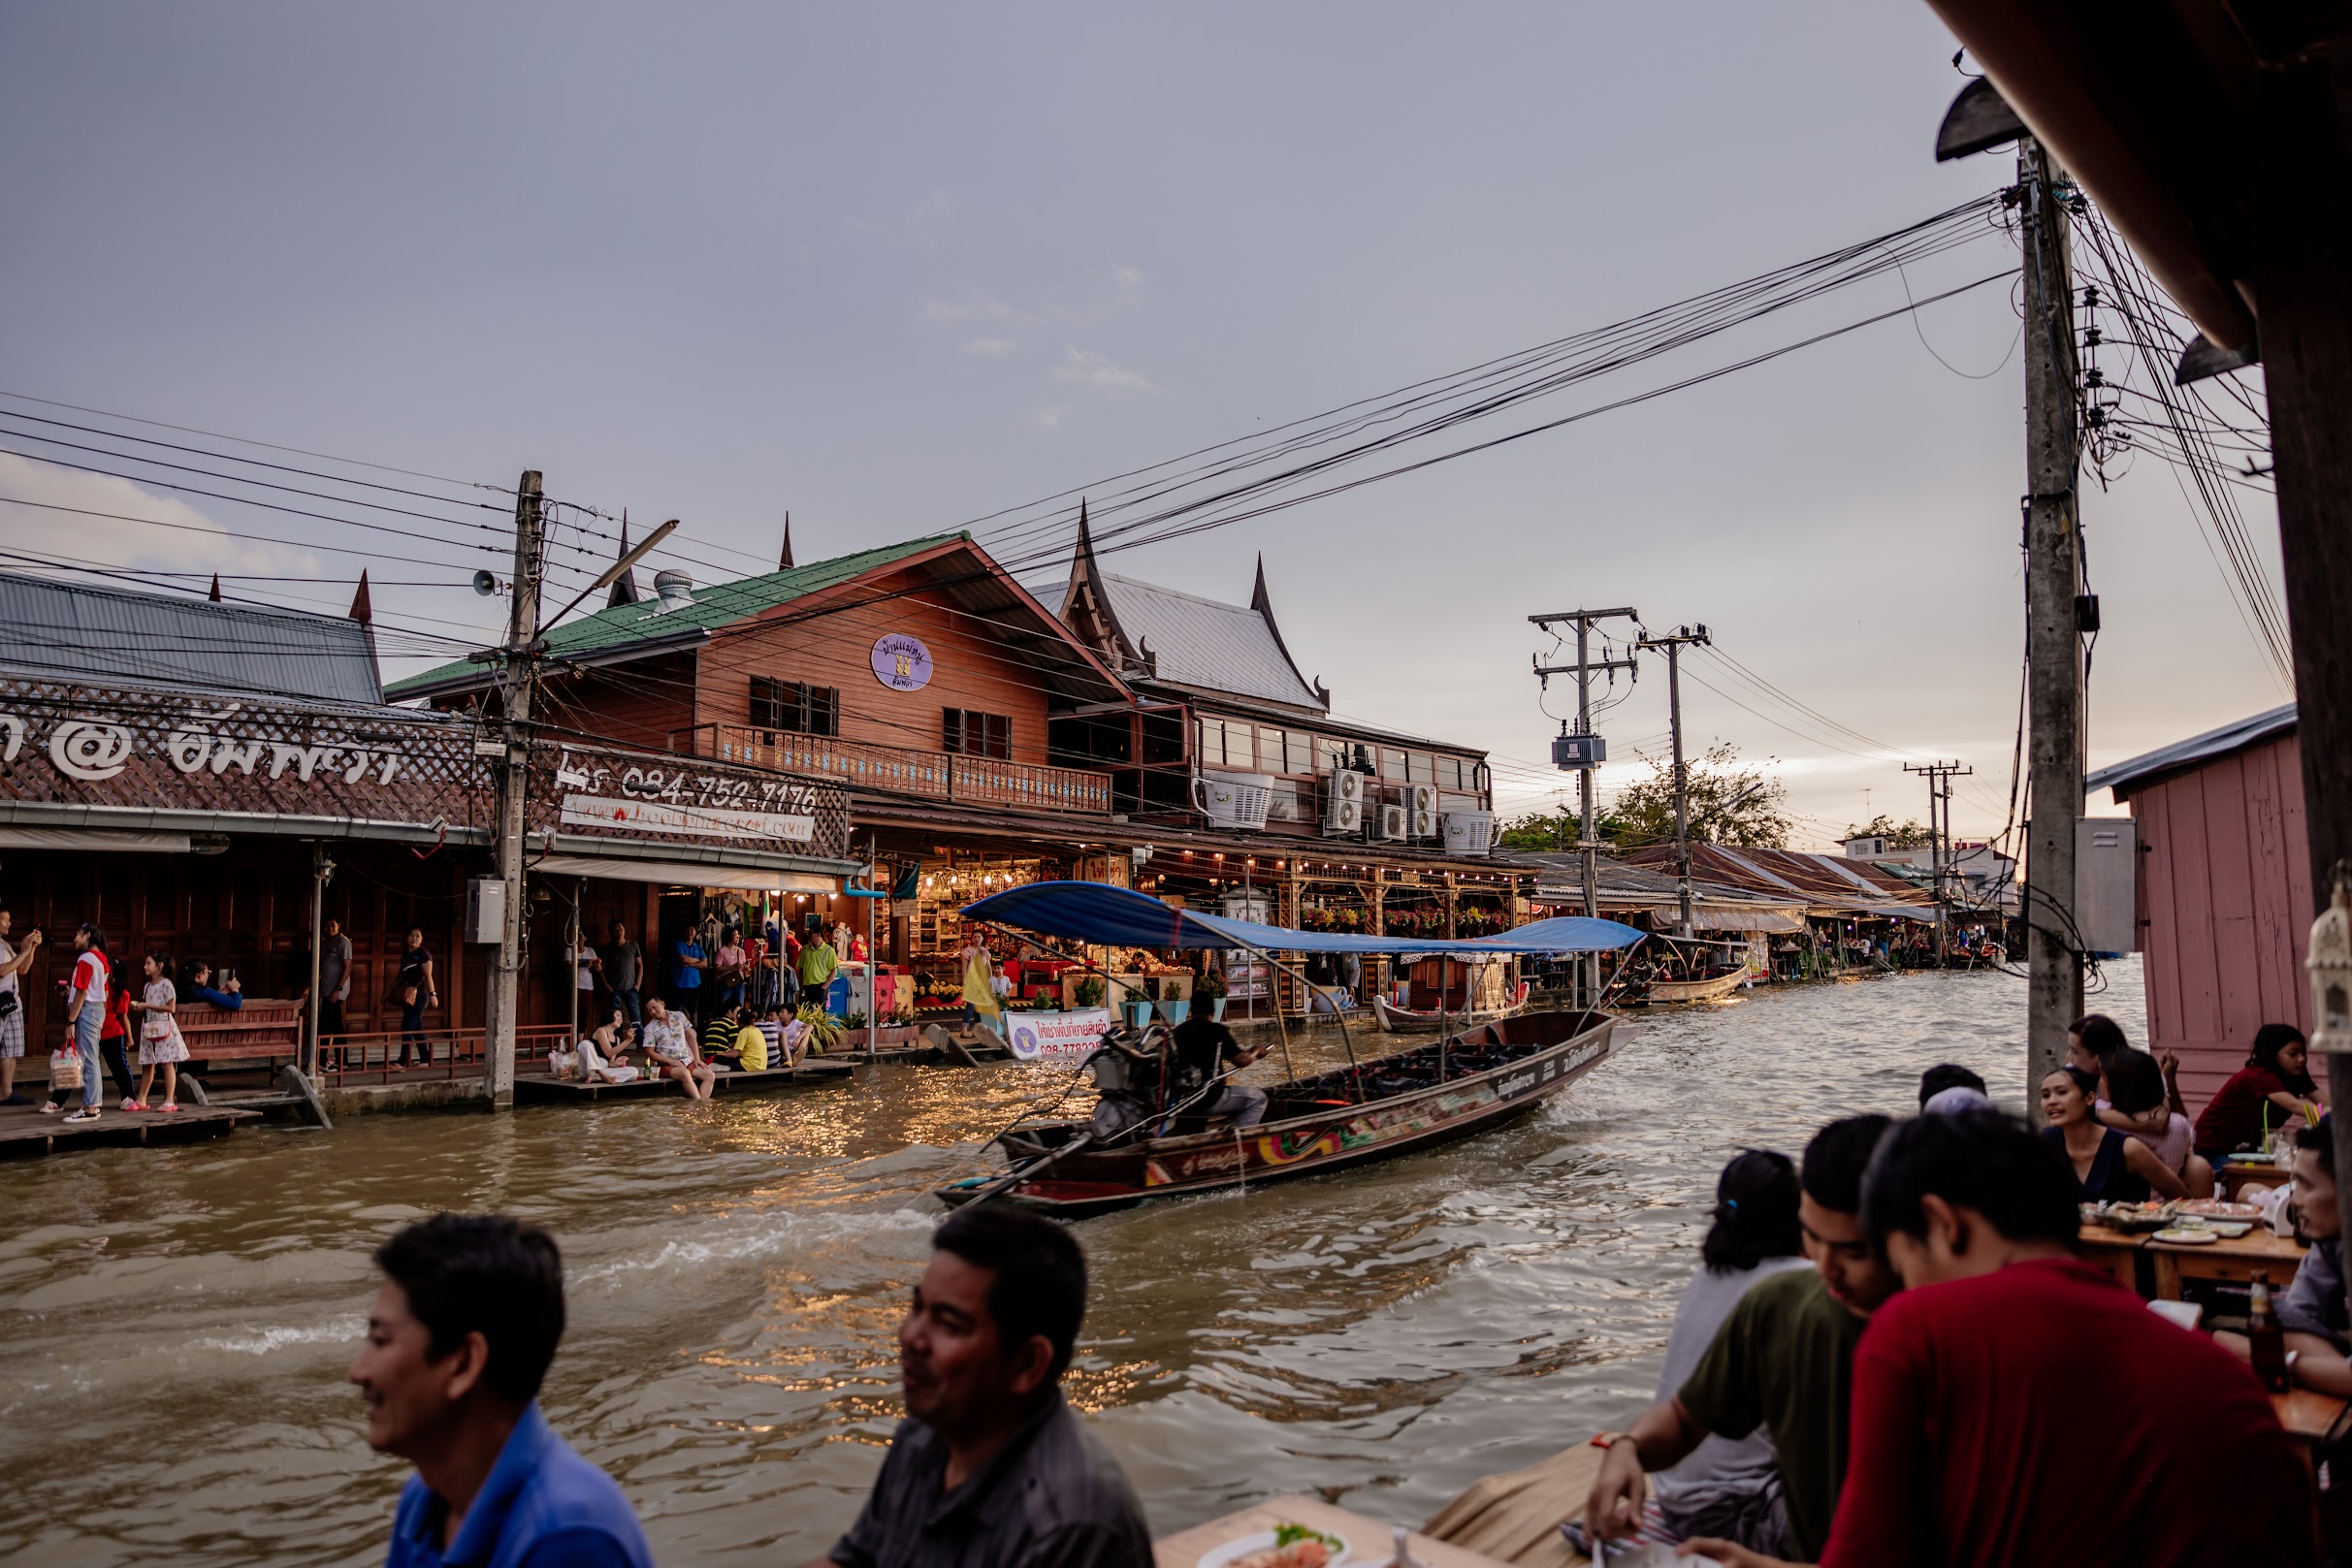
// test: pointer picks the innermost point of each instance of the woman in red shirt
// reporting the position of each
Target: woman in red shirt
(2269, 1091)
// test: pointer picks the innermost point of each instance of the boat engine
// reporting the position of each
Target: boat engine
(1128, 1070)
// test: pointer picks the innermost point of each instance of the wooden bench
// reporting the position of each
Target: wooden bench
(263, 1027)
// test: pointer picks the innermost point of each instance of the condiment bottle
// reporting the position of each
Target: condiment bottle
(2266, 1339)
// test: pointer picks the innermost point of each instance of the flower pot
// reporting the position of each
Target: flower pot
(1217, 1008)
(1139, 1013)
(1177, 1010)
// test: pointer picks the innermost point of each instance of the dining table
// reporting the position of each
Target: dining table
(1368, 1539)
(2234, 1259)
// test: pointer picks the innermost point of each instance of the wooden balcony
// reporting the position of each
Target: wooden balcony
(977, 780)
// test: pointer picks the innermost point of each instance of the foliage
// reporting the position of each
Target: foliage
(855, 1020)
(1556, 831)
(824, 1029)
(1088, 992)
(1731, 803)
(905, 1012)
(1910, 836)
(1210, 984)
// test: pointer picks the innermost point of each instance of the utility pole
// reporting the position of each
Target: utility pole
(1580, 750)
(2055, 608)
(1693, 636)
(517, 672)
(1939, 777)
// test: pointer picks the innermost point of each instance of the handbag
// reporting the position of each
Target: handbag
(8, 1004)
(65, 1069)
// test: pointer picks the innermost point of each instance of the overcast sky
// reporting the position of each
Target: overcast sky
(898, 268)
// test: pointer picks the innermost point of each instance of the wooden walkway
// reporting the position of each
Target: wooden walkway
(24, 1133)
(542, 1090)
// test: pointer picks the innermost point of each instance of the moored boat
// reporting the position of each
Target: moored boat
(1466, 1083)
(1698, 990)
(1400, 1020)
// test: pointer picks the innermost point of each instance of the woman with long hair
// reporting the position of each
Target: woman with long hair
(1725, 1489)
(2274, 1089)
(2134, 1088)
(2109, 1166)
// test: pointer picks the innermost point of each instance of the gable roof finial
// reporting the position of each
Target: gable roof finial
(624, 586)
(783, 562)
(214, 595)
(361, 610)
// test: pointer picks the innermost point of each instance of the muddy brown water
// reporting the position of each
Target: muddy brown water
(175, 1324)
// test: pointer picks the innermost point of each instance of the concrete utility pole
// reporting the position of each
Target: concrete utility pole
(2056, 605)
(1587, 751)
(517, 673)
(1696, 636)
(1939, 777)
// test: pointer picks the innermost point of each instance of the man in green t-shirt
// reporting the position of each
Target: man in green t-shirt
(1782, 1361)
(818, 962)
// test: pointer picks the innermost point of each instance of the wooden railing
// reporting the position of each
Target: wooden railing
(939, 774)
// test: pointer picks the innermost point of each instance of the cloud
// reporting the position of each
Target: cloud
(190, 541)
(1100, 375)
(1127, 285)
(991, 347)
(1051, 416)
(971, 306)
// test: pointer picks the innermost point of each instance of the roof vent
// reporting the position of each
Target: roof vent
(674, 589)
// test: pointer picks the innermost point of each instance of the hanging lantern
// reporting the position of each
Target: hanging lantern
(2331, 968)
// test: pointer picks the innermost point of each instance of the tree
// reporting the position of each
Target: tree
(1731, 803)
(1910, 836)
(1553, 831)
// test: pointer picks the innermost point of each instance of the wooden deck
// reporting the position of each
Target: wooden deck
(24, 1133)
(538, 1089)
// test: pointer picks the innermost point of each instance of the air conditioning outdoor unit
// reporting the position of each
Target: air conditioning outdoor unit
(1470, 833)
(1343, 802)
(1234, 799)
(1420, 802)
(1392, 822)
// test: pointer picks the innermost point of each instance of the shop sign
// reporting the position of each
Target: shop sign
(619, 795)
(1056, 1035)
(902, 663)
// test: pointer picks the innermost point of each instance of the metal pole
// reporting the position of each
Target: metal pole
(513, 771)
(322, 870)
(2053, 579)
(579, 888)
(1585, 841)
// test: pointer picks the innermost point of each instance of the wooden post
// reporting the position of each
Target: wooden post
(2053, 642)
(513, 771)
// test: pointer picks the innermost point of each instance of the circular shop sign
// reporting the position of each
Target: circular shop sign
(902, 663)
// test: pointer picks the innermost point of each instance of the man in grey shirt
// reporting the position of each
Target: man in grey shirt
(991, 1468)
(334, 986)
(623, 962)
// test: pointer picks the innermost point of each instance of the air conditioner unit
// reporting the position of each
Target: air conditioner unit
(1470, 833)
(1392, 822)
(1234, 799)
(1343, 802)
(1420, 803)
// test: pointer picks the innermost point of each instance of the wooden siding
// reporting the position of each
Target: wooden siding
(971, 667)
(2226, 892)
(642, 703)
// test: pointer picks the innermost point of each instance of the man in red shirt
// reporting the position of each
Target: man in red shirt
(2016, 1405)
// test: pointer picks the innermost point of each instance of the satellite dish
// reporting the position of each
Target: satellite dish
(485, 582)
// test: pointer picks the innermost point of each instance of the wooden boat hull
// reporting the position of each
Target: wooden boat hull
(1519, 1063)
(1405, 1021)
(1706, 990)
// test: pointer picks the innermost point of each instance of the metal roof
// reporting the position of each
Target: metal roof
(98, 633)
(1204, 644)
(2181, 755)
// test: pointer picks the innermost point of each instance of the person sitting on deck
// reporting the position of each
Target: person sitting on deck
(1726, 1486)
(196, 985)
(719, 1032)
(1948, 1087)
(2272, 1090)
(670, 1048)
(2108, 1167)
(1203, 1046)
(992, 1468)
(459, 1341)
(1972, 1388)
(2312, 1310)
(600, 1055)
(1782, 1361)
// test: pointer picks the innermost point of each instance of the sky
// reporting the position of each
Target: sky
(895, 269)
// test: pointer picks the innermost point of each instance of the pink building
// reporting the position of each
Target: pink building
(2224, 891)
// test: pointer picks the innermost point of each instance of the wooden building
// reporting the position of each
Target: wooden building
(2224, 890)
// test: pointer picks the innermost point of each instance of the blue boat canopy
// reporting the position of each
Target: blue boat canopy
(1099, 912)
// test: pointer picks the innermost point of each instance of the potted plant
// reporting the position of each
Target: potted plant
(1088, 993)
(1209, 989)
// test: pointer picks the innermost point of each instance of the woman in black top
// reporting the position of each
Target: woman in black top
(2109, 1166)
(417, 991)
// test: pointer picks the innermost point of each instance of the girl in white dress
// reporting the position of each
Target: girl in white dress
(159, 1038)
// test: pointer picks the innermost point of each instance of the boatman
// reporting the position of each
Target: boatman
(1203, 1046)
(992, 1468)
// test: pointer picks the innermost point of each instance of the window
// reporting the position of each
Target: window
(1392, 763)
(1226, 744)
(1269, 750)
(1451, 773)
(1419, 768)
(796, 706)
(976, 734)
(1298, 752)
(1335, 756)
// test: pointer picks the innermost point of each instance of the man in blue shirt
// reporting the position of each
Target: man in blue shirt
(687, 962)
(458, 1340)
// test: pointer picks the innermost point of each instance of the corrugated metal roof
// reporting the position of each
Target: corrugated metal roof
(715, 604)
(1203, 644)
(2183, 755)
(86, 633)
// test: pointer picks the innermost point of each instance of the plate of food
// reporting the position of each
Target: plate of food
(2187, 1235)
(2133, 1216)
(2229, 1230)
(1285, 1546)
(2213, 1208)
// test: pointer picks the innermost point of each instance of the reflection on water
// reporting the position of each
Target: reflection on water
(177, 1321)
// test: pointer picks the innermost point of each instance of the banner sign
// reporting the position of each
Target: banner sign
(692, 798)
(1056, 1036)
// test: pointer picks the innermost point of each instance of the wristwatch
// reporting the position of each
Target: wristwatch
(1609, 1440)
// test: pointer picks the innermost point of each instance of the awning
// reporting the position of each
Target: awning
(1731, 917)
(76, 838)
(682, 873)
(1097, 912)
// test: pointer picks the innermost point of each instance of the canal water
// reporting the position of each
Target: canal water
(175, 1325)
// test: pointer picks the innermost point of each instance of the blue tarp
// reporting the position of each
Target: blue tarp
(1099, 912)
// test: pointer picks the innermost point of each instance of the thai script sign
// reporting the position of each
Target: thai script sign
(1056, 1035)
(693, 798)
(902, 663)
